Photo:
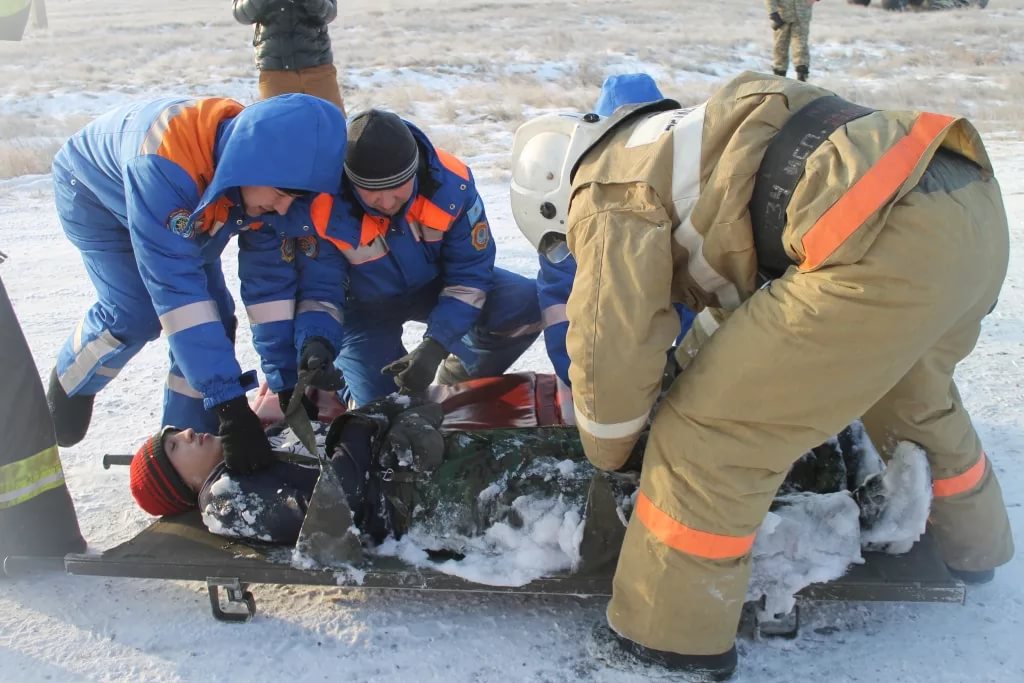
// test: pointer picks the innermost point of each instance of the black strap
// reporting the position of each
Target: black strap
(781, 169)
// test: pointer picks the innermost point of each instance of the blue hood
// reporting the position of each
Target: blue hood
(294, 141)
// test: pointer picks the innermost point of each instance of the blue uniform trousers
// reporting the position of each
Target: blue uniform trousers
(372, 337)
(123, 319)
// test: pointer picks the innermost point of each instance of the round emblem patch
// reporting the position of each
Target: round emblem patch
(309, 245)
(178, 223)
(481, 236)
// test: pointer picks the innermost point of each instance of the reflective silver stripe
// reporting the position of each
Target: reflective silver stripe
(431, 235)
(158, 129)
(707, 322)
(76, 342)
(522, 330)
(270, 311)
(467, 295)
(687, 126)
(178, 385)
(552, 315)
(615, 430)
(313, 306)
(188, 316)
(707, 277)
(87, 359)
(565, 404)
(367, 252)
(39, 486)
(107, 372)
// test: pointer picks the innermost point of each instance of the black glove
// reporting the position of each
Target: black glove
(414, 371)
(317, 356)
(246, 448)
(776, 20)
(413, 440)
(671, 371)
(284, 398)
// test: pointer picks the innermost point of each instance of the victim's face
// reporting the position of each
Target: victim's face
(259, 200)
(193, 455)
(388, 202)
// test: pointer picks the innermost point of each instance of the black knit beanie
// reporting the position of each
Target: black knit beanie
(382, 153)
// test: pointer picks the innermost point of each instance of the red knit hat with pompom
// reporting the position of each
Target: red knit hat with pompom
(155, 484)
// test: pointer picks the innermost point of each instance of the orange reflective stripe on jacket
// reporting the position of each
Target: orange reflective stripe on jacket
(429, 214)
(453, 164)
(872, 191)
(320, 214)
(690, 541)
(186, 134)
(961, 483)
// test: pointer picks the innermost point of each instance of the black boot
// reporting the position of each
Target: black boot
(692, 667)
(779, 72)
(974, 578)
(801, 73)
(71, 414)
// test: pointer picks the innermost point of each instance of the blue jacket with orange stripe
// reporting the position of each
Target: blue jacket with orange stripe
(376, 260)
(169, 170)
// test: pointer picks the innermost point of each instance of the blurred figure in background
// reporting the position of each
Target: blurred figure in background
(293, 47)
(791, 26)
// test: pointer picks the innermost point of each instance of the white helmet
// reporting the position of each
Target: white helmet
(544, 153)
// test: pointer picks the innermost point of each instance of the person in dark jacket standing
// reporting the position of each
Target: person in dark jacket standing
(293, 47)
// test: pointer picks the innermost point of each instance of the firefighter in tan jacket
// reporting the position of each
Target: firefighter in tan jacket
(842, 260)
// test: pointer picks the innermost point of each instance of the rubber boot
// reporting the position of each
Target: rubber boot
(801, 73)
(691, 667)
(973, 578)
(71, 414)
(779, 72)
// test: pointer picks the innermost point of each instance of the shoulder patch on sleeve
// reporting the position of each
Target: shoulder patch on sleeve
(475, 211)
(309, 245)
(288, 249)
(178, 223)
(481, 236)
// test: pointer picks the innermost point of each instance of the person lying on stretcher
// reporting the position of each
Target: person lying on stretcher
(401, 473)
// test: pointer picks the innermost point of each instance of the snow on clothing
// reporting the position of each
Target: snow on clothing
(434, 262)
(476, 486)
(149, 194)
(899, 251)
(528, 500)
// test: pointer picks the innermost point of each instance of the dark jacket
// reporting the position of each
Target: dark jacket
(290, 34)
(270, 505)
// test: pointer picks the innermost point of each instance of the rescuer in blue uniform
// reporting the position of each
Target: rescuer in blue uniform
(150, 194)
(407, 239)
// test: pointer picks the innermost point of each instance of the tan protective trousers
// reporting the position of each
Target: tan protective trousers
(793, 365)
(319, 81)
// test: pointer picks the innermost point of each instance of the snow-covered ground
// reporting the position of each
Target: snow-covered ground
(469, 72)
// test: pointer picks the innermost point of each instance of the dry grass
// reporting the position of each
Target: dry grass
(470, 71)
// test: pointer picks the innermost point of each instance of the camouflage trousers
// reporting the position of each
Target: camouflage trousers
(794, 36)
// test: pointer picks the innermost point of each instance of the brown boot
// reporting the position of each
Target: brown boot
(779, 72)
(801, 73)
